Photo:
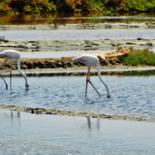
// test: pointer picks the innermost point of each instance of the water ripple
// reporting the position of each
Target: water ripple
(130, 95)
(78, 34)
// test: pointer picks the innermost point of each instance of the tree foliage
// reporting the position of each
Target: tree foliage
(27, 7)
(70, 7)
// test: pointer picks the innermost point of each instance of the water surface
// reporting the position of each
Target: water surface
(130, 95)
(55, 54)
(60, 54)
(56, 135)
(78, 34)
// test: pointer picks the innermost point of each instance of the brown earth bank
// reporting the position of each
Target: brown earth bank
(50, 111)
(112, 58)
(46, 63)
(62, 26)
(33, 63)
(111, 64)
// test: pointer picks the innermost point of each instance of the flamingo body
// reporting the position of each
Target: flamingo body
(13, 55)
(10, 54)
(88, 60)
(91, 60)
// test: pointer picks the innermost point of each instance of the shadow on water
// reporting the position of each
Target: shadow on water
(13, 115)
(90, 123)
(74, 20)
(102, 101)
(61, 135)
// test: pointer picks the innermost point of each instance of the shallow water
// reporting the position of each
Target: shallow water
(26, 134)
(130, 95)
(78, 34)
(58, 54)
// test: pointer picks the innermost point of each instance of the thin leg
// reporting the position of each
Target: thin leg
(94, 88)
(10, 80)
(6, 85)
(86, 88)
(87, 80)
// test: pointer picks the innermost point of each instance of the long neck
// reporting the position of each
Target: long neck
(22, 73)
(99, 75)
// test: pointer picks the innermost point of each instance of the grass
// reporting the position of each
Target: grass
(139, 57)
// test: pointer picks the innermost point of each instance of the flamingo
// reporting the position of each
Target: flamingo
(91, 60)
(13, 55)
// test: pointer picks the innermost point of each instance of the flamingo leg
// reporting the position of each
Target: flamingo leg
(94, 88)
(6, 85)
(10, 80)
(88, 81)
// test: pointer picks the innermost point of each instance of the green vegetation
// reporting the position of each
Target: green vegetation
(46, 8)
(26, 7)
(139, 57)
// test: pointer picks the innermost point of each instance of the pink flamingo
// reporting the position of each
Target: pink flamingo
(91, 60)
(13, 55)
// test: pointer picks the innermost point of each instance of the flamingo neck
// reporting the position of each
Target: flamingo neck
(99, 75)
(98, 66)
(22, 73)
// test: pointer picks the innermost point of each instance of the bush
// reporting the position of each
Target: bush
(138, 57)
(71, 7)
(27, 7)
(96, 7)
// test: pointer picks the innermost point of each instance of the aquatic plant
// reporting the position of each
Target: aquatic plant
(138, 57)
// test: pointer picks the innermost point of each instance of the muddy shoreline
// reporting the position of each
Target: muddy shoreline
(69, 45)
(110, 65)
(65, 65)
(81, 71)
(52, 111)
(77, 45)
(91, 26)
